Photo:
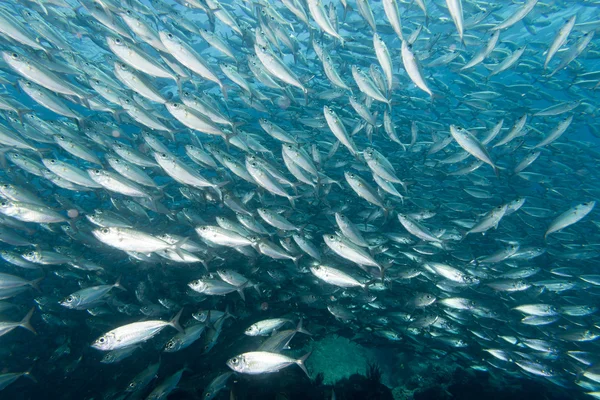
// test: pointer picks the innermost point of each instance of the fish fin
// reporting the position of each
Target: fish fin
(28, 374)
(292, 200)
(118, 283)
(296, 259)
(301, 361)
(177, 246)
(175, 321)
(228, 314)
(241, 292)
(25, 322)
(35, 283)
(300, 329)
(257, 288)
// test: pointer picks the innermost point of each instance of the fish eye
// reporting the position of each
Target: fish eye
(208, 395)
(4, 204)
(234, 360)
(118, 41)
(14, 55)
(102, 339)
(97, 171)
(70, 299)
(331, 237)
(53, 161)
(132, 385)
(170, 35)
(105, 230)
(170, 345)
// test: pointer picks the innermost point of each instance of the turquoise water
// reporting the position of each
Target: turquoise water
(416, 205)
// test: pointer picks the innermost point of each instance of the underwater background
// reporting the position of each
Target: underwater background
(299, 199)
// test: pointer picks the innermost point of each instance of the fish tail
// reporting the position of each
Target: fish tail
(175, 321)
(292, 200)
(497, 171)
(300, 329)
(228, 314)
(26, 321)
(35, 283)
(118, 283)
(296, 259)
(28, 374)
(177, 246)
(301, 361)
(240, 290)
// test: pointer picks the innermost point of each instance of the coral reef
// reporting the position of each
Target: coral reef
(337, 357)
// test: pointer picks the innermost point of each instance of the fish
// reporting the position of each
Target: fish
(377, 173)
(560, 39)
(413, 68)
(456, 12)
(472, 146)
(570, 217)
(88, 297)
(261, 362)
(143, 379)
(516, 16)
(7, 326)
(134, 333)
(266, 327)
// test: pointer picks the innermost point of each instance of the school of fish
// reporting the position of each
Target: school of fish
(422, 173)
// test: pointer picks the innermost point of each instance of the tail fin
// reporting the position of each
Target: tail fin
(292, 200)
(296, 258)
(240, 290)
(228, 314)
(25, 322)
(28, 374)
(302, 330)
(117, 284)
(175, 321)
(35, 283)
(301, 361)
(177, 247)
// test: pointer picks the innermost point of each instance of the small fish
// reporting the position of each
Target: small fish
(262, 362)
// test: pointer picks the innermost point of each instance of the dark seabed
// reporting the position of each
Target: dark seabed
(299, 199)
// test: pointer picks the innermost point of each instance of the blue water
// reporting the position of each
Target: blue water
(484, 349)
